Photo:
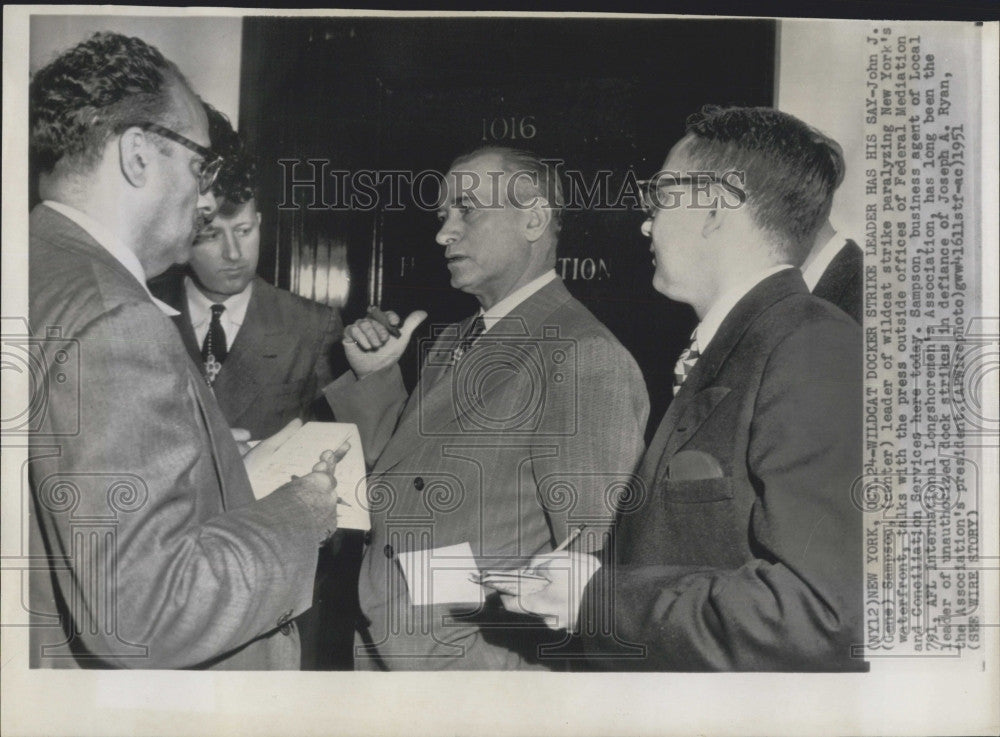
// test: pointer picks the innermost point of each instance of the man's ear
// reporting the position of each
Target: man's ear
(539, 215)
(258, 218)
(715, 218)
(134, 152)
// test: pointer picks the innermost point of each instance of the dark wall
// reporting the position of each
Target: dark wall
(412, 94)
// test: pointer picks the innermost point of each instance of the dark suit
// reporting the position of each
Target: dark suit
(841, 282)
(746, 553)
(530, 433)
(279, 362)
(159, 555)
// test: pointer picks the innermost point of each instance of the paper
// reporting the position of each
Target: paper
(301, 452)
(441, 575)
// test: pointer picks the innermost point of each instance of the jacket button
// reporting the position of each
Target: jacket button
(418, 483)
(389, 552)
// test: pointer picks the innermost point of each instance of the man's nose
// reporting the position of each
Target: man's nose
(447, 234)
(231, 249)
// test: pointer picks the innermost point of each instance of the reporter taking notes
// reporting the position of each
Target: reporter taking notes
(157, 554)
(746, 553)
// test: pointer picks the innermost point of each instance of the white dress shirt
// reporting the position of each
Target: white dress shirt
(812, 270)
(118, 250)
(725, 303)
(200, 311)
(502, 308)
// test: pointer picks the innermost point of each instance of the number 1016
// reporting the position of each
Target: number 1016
(509, 128)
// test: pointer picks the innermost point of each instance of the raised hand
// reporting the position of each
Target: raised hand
(369, 346)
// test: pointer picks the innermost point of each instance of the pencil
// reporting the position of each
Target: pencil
(569, 539)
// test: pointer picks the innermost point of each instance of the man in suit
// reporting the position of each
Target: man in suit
(265, 352)
(158, 555)
(526, 422)
(744, 549)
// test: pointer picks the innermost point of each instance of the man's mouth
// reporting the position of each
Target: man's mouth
(455, 259)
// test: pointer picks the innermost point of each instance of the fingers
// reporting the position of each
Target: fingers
(370, 334)
(329, 459)
(411, 322)
(240, 435)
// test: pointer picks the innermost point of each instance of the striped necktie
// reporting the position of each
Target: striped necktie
(685, 364)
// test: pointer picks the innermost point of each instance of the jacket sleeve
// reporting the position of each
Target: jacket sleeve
(155, 563)
(331, 329)
(374, 403)
(596, 441)
(796, 605)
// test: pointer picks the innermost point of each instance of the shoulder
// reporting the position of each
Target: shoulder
(596, 346)
(71, 290)
(291, 309)
(806, 333)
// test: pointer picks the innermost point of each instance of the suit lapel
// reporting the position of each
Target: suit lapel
(183, 322)
(432, 408)
(253, 356)
(698, 396)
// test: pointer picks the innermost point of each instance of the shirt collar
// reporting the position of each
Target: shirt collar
(118, 250)
(722, 306)
(200, 306)
(812, 272)
(503, 308)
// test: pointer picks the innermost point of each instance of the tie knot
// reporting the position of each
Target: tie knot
(477, 328)
(217, 311)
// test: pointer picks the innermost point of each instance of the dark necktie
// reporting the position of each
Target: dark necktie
(213, 350)
(685, 364)
(477, 328)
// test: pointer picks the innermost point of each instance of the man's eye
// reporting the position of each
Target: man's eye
(209, 234)
(243, 232)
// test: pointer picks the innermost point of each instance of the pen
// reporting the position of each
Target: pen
(569, 539)
(382, 319)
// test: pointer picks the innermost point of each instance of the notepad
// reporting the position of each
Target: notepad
(441, 575)
(301, 452)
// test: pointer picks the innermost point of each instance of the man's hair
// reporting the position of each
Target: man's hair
(791, 169)
(541, 174)
(98, 89)
(237, 180)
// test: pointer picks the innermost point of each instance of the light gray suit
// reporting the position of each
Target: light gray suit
(532, 432)
(158, 555)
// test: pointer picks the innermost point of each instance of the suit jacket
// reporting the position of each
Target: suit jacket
(745, 553)
(158, 556)
(841, 281)
(279, 363)
(532, 432)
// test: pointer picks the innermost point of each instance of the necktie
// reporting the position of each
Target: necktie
(213, 350)
(477, 328)
(685, 364)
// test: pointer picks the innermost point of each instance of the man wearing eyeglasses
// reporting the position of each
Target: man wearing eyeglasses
(746, 551)
(156, 554)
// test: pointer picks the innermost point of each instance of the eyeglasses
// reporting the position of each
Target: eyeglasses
(206, 170)
(652, 200)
